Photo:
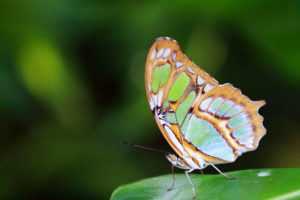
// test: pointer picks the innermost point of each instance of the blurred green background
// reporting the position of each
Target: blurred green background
(72, 86)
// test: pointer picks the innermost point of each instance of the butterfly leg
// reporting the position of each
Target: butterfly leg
(172, 186)
(229, 177)
(193, 188)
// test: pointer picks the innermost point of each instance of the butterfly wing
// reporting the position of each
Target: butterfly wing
(204, 122)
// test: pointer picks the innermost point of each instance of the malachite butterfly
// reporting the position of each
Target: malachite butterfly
(205, 122)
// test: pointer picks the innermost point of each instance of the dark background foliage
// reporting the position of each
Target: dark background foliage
(72, 86)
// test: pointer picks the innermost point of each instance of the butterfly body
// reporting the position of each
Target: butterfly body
(203, 121)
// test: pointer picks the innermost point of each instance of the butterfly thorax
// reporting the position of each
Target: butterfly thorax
(176, 161)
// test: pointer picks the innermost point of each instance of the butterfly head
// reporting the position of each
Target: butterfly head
(159, 112)
(176, 161)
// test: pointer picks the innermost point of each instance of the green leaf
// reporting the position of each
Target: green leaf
(276, 184)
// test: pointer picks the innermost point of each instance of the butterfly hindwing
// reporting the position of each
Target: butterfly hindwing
(229, 119)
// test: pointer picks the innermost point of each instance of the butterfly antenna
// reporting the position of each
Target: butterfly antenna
(143, 147)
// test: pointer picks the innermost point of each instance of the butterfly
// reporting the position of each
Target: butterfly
(205, 123)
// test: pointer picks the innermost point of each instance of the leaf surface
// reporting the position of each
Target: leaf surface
(275, 184)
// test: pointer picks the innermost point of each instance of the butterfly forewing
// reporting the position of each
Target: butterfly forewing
(204, 122)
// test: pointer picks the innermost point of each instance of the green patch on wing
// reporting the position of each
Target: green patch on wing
(203, 135)
(171, 118)
(243, 132)
(199, 132)
(160, 76)
(179, 86)
(216, 104)
(166, 104)
(185, 123)
(224, 107)
(238, 120)
(184, 107)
